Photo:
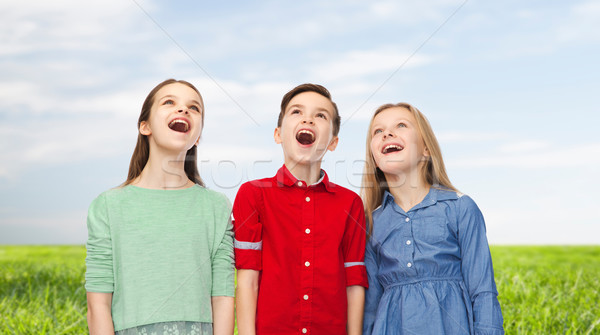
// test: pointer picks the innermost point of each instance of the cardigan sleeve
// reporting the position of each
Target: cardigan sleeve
(477, 269)
(99, 261)
(222, 261)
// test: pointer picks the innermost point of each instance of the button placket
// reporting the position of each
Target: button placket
(409, 245)
(307, 255)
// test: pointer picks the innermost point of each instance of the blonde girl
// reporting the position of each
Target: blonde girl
(427, 257)
(160, 246)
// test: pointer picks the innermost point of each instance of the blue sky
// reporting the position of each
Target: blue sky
(509, 87)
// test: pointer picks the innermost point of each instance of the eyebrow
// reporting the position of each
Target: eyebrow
(379, 124)
(172, 96)
(302, 106)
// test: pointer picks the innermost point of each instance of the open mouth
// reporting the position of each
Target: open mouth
(305, 137)
(391, 148)
(179, 125)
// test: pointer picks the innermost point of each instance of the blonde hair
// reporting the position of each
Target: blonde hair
(432, 171)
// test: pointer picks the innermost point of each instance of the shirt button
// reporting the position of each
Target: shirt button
(307, 231)
(408, 242)
(409, 264)
(307, 264)
(305, 297)
(307, 199)
(304, 330)
(407, 219)
(299, 183)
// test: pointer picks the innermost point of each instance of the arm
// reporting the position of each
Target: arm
(374, 292)
(223, 273)
(246, 298)
(356, 303)
(222, 309)
(248, 256)
(353, 248)
(99, 276)
(99, 313)
(477, 269)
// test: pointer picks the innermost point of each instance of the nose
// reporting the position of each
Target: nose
(388, 134)
(308, 121)
(183, 111)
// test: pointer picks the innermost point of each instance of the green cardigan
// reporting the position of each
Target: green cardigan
(162, 253)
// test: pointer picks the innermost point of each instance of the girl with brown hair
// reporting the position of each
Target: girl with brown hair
(160, 246)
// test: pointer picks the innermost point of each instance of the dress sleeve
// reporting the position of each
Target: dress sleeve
(353, 245)
(99, 261)
(477, 269)
(375, 290)
(247, 228)
(223, 272)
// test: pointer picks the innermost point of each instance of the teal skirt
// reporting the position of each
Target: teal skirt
(170, 328)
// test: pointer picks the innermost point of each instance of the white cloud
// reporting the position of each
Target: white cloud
(65, 228)
(29, 144)
(411, 12)
(523, 146)
(581, 155)
(356, 64)
(34, 26)
(535, 31)
(582, 24)
(542, 224)
(468, 136)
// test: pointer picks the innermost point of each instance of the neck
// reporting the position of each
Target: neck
(310, 173)
(408, 189)
(164, 171)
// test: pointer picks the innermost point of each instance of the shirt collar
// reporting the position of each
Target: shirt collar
(285, 177)
(436, 193)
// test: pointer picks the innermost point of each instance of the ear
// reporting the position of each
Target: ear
(333, 144)
(145, 128)
(426, 152)
(277, 135)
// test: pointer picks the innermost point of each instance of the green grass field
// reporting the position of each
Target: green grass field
(543, 290)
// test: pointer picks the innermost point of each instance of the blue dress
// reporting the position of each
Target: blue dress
(430, 270)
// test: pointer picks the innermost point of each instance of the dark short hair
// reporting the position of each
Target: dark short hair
(310, 88)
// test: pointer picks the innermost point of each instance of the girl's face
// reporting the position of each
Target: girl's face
(175, 122)
(396, 144)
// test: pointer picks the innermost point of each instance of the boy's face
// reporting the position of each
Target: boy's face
(306, 131)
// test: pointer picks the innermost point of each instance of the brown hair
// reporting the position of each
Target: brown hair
(433, 170)
(310, 88)
(142, 147)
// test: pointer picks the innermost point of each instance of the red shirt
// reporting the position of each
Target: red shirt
(308, 242)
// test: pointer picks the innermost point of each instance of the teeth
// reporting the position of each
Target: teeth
(176, 121)
(307, 132)
(387, 148)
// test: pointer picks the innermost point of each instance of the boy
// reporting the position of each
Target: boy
(300, 239)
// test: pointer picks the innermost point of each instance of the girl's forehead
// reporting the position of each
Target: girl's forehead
(178, 90)
(392, 114)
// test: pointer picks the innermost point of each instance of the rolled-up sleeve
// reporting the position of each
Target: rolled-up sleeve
(247, 228)
(477, 269)
(222, 261)
(353, 245)
(99, 259)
